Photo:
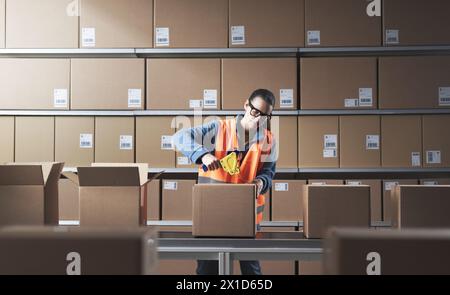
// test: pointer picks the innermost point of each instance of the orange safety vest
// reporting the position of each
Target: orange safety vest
(226, 141)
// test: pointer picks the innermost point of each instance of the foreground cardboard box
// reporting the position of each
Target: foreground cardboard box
(2, 23)
(36, 84)
(114, 139)
(286, 154)
(107, 83)
(115, 24)
(41, 24)
(239, 81)
(154, 200)
(191, 24)
(420, 24)
(266, 23)
(399, 78)
(388, 189)
(376, 197)
(29, 193)
(7, 144)
(338, 83)
(401, 141)
(327, 206)
(112, 194)
(177, 199)
(224, 210)
(318, 142)
(154, 141)
(69, 200)
(77, 251)
(340, 23)
(421, 206)
(168, 87)
(387, 252)
(74, 140)
(436, 142)
(34, 139)
(287, 200)
(360, 141)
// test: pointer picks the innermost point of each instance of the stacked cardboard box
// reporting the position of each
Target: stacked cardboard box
(338, 83)
(266, 23)
(2, 23)
(287, 200)
(325, 182)
(7, 144)
(388, 189)
(191, 24)
(176, 199)
(34, 139)
(286, 149)
(154, 200)
(115, 24)
(436, 141)
(41, 24)
(376, 197)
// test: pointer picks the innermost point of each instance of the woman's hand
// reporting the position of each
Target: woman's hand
(211, 162)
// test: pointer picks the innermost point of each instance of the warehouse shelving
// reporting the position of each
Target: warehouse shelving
(184, 170)
(68, 53)
(218, 52)
(371, 51)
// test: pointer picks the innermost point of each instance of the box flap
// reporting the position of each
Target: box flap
(21, 174)
(143, 169)
(72, 177)
(109, 176)
(52, 172)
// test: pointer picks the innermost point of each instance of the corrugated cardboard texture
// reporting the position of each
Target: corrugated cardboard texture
(287, 144)
(402, 136)
(436, 138)
(242, 76)
(353, 132)
(154, 200)
(67, 140)
(224, 210)
(287, 200)
(342, 23)
(376, 196)
(269, 23)
(2, 23)
(410, 82)
(328, 206)
(311, 132)
(118, 23)
(149, 132)
(401, 252)
(69, 202)
(421, 207)
(7, 143)
(107, 139)
(41, 24)
(195, 23)
(177, 203)
(65, 251)
(35, 138)
(22, 205)
(105, 83)
(31, 83)
(168, 85)
(327, 82)
(421, 23)
(388, 186)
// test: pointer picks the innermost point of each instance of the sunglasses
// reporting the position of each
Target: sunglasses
(257, 113)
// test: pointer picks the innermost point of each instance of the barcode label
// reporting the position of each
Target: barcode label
(237, 35)
(126, 142)
(286, 98)
(365, 97)
(444, 96)
(392, 37)
(195, 104)
(313, 37)
(86, 141)
(372, 142)
(351, 103)
(60, 98)
(433, 157)
(430, 183)
(390, 185)
(354, 183)
(329, 153)
(330, 141)
(183, 161)
(210, 98)
(167, 142)
(134, 98)
(415, 159)
(282, 187)
(162, 37)
(170, 185)
(88, 37)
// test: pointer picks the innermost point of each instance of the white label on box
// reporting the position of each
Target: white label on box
(195, 104)
(282, 187)
(183, 161)
(237, 35)
(351, 103)
(86, 141)
(313, 37)
(162, 37)
(329, 153)
(415, 159)
(444, 96)
(134, 98)
(354, 183)
(167, 142)
(210, 98)
(170, 185)
(88, 37)
(389, 185)
(430, 183)
(319, 183)
(330, 141)
(392, 37)
(287, 98)
(372, 142)
(60, 98)
(365, 97)
(126, 142)
(433, 157)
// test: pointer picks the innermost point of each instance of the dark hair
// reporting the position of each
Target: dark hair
(265, 94)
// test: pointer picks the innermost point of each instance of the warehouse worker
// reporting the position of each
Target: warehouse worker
(248, 134)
